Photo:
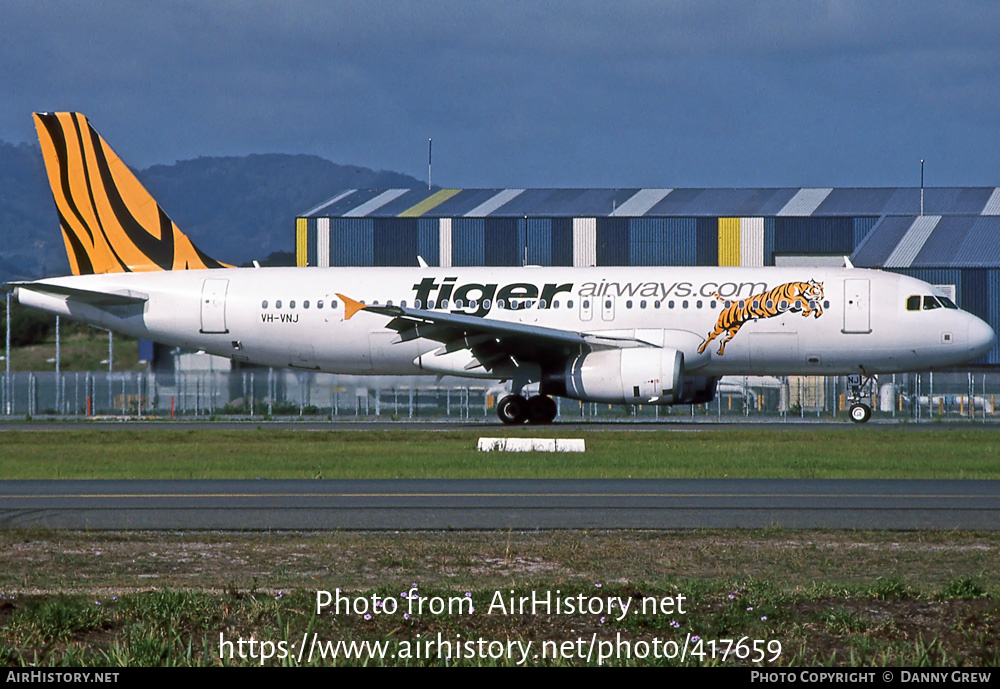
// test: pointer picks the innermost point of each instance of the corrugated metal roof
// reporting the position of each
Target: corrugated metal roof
(855, 202)
(722, 202)
(940, 247)
(580, 203)
(912, 241)
(880, 241)
(961, 241)
(981, 246)
(639, 204)
(650, 202)
(805, 202)
(992, 206)
(373, 204)
(329, 202)
(494, 202)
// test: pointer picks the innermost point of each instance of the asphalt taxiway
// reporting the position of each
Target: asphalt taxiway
(500, 504)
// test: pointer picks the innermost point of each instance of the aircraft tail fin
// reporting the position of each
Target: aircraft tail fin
(110, 223)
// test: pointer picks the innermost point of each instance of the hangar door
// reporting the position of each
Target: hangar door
(857, 306)
(213, 305)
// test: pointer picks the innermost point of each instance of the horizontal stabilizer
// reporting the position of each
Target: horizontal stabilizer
(92, 297)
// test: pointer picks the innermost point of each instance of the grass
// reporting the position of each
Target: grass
(829, 598)
(167, 599)
(736, 453)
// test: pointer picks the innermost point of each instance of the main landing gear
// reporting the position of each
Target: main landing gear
(861, 387)
(514, 410)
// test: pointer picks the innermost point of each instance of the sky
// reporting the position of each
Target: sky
(529, 94)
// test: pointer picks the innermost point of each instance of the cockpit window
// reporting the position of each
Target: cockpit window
(928, 303)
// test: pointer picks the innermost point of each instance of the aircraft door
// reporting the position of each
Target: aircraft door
(857, 306)
(608, 308)
(586, 308)
(213, 305)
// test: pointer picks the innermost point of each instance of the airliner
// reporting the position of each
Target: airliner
(620, 335)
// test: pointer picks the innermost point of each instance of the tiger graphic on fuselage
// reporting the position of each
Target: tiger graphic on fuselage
(791, 296)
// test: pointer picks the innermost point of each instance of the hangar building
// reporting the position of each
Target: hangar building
(947, 236)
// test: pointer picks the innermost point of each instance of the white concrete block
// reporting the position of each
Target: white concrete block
(531, 445)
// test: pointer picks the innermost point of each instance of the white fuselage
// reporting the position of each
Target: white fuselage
(861, 324)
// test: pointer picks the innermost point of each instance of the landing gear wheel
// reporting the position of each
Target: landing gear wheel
(541, 410)
(860, 413)
(512, 410)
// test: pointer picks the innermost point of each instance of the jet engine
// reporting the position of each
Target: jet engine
(621, 376)
(698, 389)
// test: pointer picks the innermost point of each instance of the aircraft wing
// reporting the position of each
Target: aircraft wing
(492, 342)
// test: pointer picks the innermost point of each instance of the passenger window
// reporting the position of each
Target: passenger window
(712, 304)
(305, 304)
(642, 304)
(541, 303)
(586, 303)
(443, 304)
(333, 304)
(826, 304)
(403, 303)
(291, 304)
(569, 304)
(319, 304)
(913, 303)
(656, 304)
(430, 303)
(486, 304)
(277, 304)
(684, 303)
(473, 303)
(699, 303)
(628, 304)
(416, 303)
(555, 304)
(263, 304)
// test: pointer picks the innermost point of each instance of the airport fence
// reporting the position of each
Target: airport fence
(271, 393)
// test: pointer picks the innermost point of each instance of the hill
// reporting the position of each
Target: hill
(236, 209)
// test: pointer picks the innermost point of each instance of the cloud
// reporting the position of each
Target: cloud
(557, 93)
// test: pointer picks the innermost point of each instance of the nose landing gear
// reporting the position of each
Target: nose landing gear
(861, 387)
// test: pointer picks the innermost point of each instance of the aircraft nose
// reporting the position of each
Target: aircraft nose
(981, 337)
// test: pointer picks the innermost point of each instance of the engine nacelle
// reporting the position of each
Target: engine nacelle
(698, 389)
(621, 376)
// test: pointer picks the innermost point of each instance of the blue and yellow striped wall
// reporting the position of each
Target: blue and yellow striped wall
(609, 241)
